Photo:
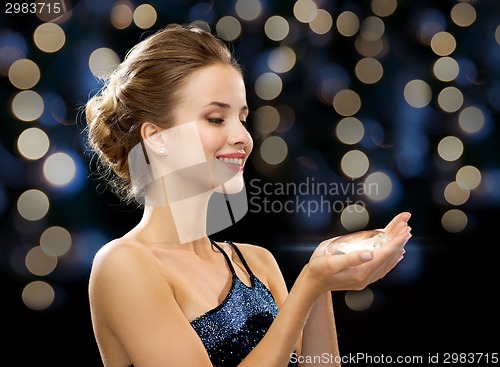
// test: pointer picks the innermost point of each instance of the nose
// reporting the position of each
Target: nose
(239, 135)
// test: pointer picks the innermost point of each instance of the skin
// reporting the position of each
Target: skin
(146, 286)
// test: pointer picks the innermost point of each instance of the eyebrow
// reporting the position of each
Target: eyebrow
(226, 105)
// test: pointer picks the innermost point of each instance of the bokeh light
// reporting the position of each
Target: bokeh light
(27, 105)
(354, 163)
(55, 241)
(273, 150)
(24, 74)
(38, 295)
(354, 217)
(59, 169)
(450, 148)
(33, 204)
(348, 23)
(359, 300)
(145, 16)
(248, 9)
(49, 37)
(39, 263)
(33, 143)
(349, 130)
(417, 93)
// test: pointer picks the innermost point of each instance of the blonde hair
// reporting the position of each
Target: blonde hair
(146, 86)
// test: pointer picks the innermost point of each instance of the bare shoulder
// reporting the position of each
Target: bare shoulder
(119, 261)
(256, 254)
(261, 260)
(118, 253)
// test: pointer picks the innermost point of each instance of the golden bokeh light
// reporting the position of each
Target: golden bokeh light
(103, 61)
(359, 300)
(55, 241)
(455, 194)
(468, 177)
(273, 150)
(322, 23)
(354, 217)
(384, 8)
(39, 263)
(49, 37)
(378, 186)
(454, 220)
(450, 99)
(27, 105)
(354, 163)
(347, 23)
(276, 28)
(122, 15)
(24, 74)
(282, 59)
(450, 148)
(347, 102)
(228, 28)
(417, 93)
(59, 169)
(145, 16)
(349, 130)
(248, 9)
(305, 10)
(443, 43)
(268, 86)
(33, 204)
(446, 69)
(38, 295)
(463, 14)
(266, 119)
(369, 70)
(471, 119)
(33, 143)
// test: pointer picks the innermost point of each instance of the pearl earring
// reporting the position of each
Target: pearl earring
(163, 150)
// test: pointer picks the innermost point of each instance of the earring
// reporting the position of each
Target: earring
(163, 150)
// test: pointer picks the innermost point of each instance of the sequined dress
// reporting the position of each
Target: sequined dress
(231, 330)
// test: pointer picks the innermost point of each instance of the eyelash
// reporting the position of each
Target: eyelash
(219, 121)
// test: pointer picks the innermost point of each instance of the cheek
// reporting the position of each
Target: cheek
(211, 142)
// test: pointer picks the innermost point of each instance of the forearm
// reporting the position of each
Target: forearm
(281, 339)
(319, 340)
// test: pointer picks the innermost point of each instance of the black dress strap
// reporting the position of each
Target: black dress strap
(240, 255)
(228, 260)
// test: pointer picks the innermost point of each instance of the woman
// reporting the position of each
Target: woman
(165, 294)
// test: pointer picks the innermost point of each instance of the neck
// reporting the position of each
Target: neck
(171, 223)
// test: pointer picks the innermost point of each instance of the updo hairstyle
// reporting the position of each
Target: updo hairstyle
(146, 86)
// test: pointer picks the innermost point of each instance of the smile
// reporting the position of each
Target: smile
(236, 161)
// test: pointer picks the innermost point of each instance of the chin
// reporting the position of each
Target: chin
(232, 186)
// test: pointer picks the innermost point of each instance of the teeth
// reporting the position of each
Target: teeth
(238, 161)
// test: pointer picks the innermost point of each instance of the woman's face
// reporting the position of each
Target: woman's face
(215, 98)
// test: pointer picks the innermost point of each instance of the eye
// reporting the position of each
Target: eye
(215, 121)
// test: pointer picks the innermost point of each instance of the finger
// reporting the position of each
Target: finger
(401, 217)
(337, 263)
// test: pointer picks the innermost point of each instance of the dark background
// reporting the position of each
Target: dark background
(441, 298)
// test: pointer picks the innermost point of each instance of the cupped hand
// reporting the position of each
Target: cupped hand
(356, 270)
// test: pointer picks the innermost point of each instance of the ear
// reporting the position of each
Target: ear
(150, 134)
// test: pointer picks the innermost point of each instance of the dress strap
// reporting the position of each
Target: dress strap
(228, 260)
(240, 255)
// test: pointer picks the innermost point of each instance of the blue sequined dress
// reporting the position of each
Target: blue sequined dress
(231, 330)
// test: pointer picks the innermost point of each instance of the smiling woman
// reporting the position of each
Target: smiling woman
(169, 128)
